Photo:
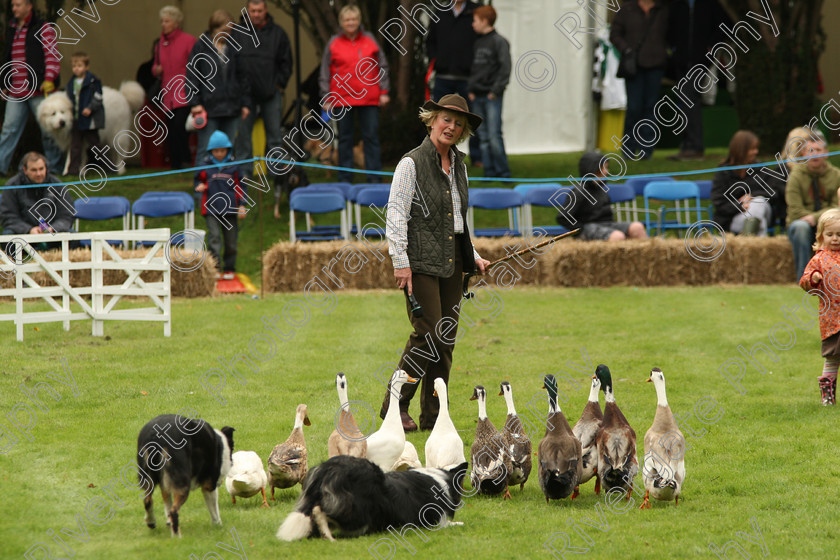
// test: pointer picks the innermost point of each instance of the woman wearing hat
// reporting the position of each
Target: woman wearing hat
(430, 247)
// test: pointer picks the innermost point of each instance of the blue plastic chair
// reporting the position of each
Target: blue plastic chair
(376, 197)
(623, 201)
(545, 195)
(680, 192)
(152, 206)
(103, 208)
(187, 197)
(706, 194)
(339, 188)
(317, 203)
(352, 195)
(638, 183)
(495, 199)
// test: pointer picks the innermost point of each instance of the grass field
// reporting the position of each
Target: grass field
(769, 456)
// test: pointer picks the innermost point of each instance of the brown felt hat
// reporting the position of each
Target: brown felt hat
(455, 103)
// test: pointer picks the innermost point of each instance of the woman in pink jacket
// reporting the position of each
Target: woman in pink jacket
(171, 57)
(354, 83)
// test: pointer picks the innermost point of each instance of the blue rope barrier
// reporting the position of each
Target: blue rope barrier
(389, 174)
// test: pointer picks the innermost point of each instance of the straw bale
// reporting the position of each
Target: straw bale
(200, 282)
(702, 260)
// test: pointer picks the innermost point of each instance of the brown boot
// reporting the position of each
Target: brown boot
(407, 423)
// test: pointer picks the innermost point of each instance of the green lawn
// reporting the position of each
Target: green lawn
(768, 456)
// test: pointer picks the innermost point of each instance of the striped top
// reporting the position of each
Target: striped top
(21, 79)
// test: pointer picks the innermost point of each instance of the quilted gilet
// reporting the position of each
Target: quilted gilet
(431, 226)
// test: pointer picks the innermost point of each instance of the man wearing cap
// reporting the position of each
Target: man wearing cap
(430, 247)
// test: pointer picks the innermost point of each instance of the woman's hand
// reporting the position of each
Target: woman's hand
(482, 265)
(403, 277)
(816, 278)
(201, 187)
(245, 112)
(157, 70)
(384, 100)
(745, 202)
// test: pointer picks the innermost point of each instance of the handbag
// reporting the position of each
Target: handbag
(627, 64)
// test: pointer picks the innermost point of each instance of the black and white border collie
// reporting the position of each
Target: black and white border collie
(179, 453)
(354, 496)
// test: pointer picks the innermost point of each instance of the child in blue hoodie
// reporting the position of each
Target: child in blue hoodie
(222, 197)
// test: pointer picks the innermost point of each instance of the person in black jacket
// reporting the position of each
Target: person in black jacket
(489, 76)
(85, 92)
(35, 209)
(449, 46)
(268, 68)
(694, 27)
(589, 207)
(226, 95)
(640, 30)
(737, 195)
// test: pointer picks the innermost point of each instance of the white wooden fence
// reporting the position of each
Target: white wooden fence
(98, 301)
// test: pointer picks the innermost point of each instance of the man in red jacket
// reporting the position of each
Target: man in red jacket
(354, 82)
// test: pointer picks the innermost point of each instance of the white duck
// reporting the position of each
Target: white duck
(444, 448)
(246, 476)
(386, 445)
(409, 459)
(346, 439)
(664, 470)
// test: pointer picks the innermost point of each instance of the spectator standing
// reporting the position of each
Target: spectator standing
(226, 95)
(811, 190)
(489, 76)
(85, 92)
(595, 219)
(25, 51)
(20, 209)
(737, 195)
(358, 88)
(640, 30)
(694, 27)
(268, 67)
(222, 196)
(450, 45)
(173, 52)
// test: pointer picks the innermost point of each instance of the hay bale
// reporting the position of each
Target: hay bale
(702, 260)
(189, 281)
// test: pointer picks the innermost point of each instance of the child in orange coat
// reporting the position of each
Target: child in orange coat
(822, 276)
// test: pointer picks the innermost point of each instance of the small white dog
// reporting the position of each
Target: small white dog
(55, 115)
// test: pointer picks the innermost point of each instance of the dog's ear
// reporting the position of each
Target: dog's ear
(228, 431)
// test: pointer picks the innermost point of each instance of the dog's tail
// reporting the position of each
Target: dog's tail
(296, 526)
(134, 94)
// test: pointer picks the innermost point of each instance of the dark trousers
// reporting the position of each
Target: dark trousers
(439, 298)
(179, 149)
(77, 138)
(642, 95)
(216, 230)
(369, 123)
(444, 86)
(692, 140)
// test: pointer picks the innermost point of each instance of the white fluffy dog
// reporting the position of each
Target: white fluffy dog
(55, 115)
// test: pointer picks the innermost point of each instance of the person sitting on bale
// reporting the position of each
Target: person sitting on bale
(812, 189)
(588, 206)
(35, 209)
